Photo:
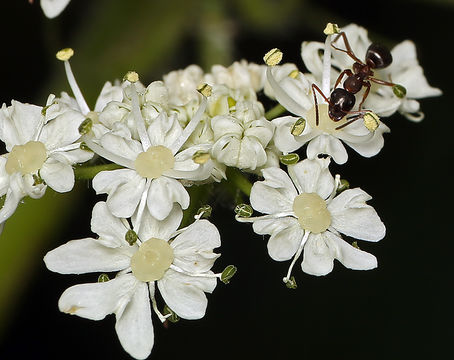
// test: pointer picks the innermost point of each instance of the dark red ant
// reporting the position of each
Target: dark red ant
(342, 100)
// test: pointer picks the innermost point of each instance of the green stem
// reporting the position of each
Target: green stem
(275, 112)
(89, 172)
(237, 178)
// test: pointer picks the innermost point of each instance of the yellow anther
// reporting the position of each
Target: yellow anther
(201, 157)
(273, 57)
(205, 89)
(371, 121)
(65, 54)
(131, 76)
(331, 29)
(294, 74)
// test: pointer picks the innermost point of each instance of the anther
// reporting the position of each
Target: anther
(131, 76)
(371, 121)
(205, 89)
(298, 127)
(65, 54)
(331, 29)
(273, 57)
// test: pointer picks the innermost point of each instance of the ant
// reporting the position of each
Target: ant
(342, 100)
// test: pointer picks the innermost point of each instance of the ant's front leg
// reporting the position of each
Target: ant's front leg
(366, 93)
(348, 48)
(315, 87)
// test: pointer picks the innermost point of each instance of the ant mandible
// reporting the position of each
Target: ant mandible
(342, 100)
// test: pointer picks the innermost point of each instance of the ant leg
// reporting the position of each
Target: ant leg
(352, 119)
(348, 50)
(381, 82)
(367, 85)
(315, 87)
(347, 72)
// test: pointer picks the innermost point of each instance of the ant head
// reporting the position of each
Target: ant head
(378, 56)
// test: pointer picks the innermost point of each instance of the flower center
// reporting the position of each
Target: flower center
(325, 123)
(154, 162)
(311, 211)
(27, 158)
(152, 260)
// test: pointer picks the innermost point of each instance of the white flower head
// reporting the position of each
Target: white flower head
(304, 214)
(40, 151)
(177, 262)
(403, 70)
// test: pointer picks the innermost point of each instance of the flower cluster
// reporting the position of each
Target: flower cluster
(188, 129)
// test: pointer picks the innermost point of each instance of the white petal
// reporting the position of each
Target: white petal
(327, 144)
(312, 176)
(186, 294)
(372, 146)
(108, 93)
(284, 241)
(193, 248)
(161, 229)
(62, 131)
(111, 229)
(124, 188)
(283, 138)
(85, 256)
(351, 216)
(163, 193)
(57, 175)
(275, 194)
(53, 8)
(14, 194)
(97, 300)
(348, 255)
(317, 257)
(134, 326)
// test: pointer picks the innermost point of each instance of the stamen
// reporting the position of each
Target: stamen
(99, 150)
(326, 75)
(288, 277)
(202, 275)
(273, 57)
(64, 55)
(137, 114)
(141, 208)
(190, 127)
(264, 217)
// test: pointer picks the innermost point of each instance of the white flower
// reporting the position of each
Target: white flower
(326, 137)
(304, 213)
(153, 166)
(404, 70)
(41, 151)
(241, 137)
(178, 262)
(53, 8)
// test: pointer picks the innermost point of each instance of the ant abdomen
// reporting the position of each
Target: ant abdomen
(378, 56)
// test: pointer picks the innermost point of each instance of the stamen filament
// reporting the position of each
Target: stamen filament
(99, 150)
(161, 317)
(264, 217)
(190, 127)
(297, 255)
(204, 275)
(137, 114)
(75, 89)
(326, 75)
(141, 208)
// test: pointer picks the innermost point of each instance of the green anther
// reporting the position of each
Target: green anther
(355, 245)
(231, 101)
(44, 109)
(131, 237)
(103, 278)
(84, 146)
(343, 185)
(204, 211)
(399, 91)
(85, 126)
(289, 159)
(173, 318)
(298, 127)
(291, 283)
(244, 210)
(228, 273)
(37, 180)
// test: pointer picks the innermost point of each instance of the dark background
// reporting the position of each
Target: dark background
(399, 310)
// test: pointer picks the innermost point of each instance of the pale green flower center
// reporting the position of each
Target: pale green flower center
(311, 211)
(154, 162)
(325, 123)
(26, 158)
(151, 260)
